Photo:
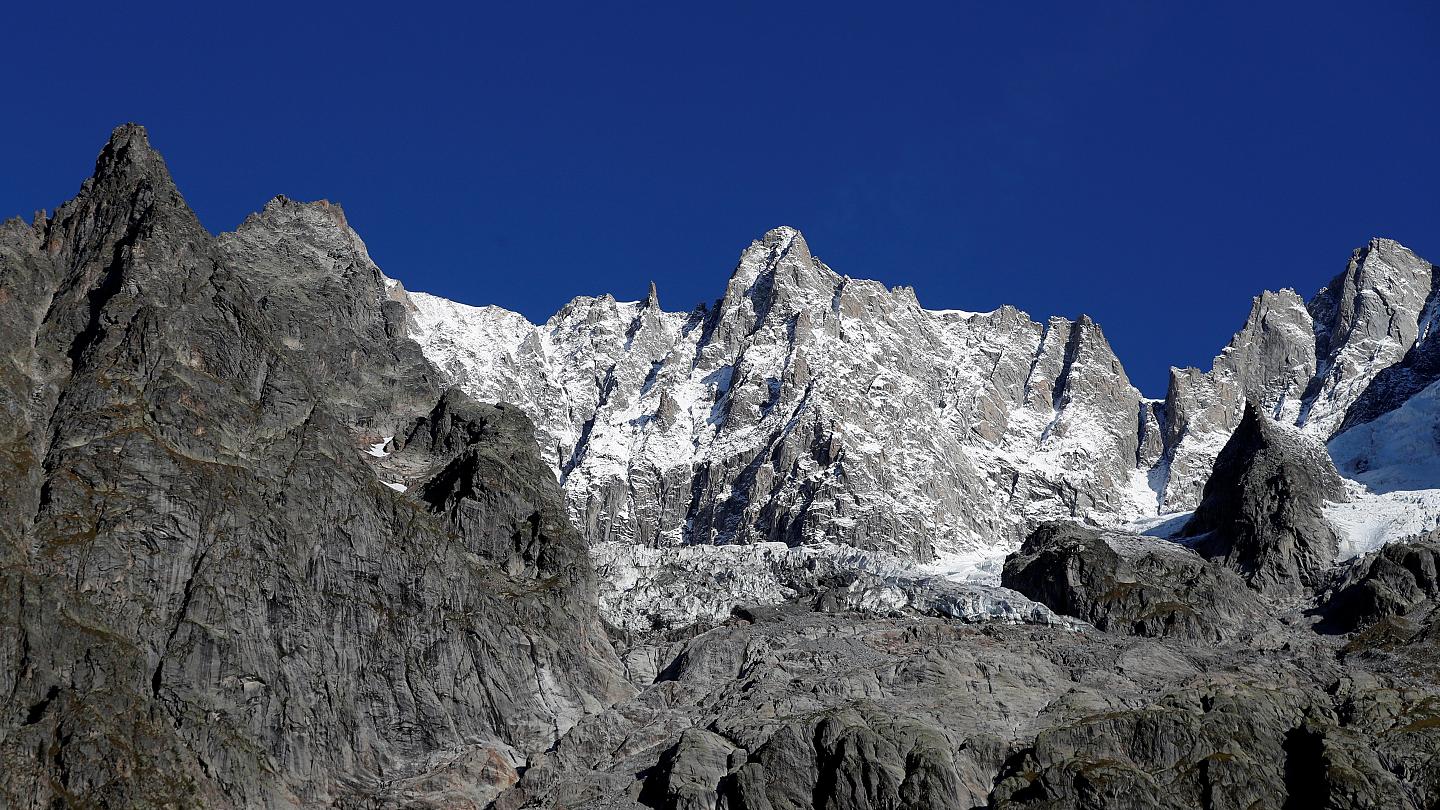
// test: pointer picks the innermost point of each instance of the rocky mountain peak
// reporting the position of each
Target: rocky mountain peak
(256, 552)
(129, 194)
(315, 230)
(1323, 365)
(1383, 278)
(131, 181)
(128, 153)
(319, 220)
(186, 418)
(1365, 320)
(776, 279)
(802, 385)
(282, 208)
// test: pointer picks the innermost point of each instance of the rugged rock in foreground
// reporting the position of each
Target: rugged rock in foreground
(209, 597)
(1263, 510)
(1398, 581)
(798, 709)
(1131, 584)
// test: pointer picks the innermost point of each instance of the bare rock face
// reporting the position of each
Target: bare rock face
(1263, 510)
(1296, 755)
(210, 597)
(689, 774)
(796, 709)
(1131, 584)
(1307, 364)
(1400, 580)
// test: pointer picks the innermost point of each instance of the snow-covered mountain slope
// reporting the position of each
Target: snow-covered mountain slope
(1393, 462)
(809, 408)
(805, 406)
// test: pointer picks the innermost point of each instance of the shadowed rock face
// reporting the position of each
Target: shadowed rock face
(1131, 584)
(1400, 580)
(1262, 513)
(210, 599)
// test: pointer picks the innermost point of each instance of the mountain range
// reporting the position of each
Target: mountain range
(823, 412)
(278, 532)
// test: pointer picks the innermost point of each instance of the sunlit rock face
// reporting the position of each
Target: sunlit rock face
(808, 407)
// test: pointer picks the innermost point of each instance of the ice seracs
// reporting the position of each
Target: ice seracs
(647, 588)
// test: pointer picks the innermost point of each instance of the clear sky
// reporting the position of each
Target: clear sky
(1152, 164)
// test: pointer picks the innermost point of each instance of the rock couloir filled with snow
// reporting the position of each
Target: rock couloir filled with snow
(811, 409)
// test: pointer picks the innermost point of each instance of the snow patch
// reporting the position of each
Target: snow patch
(1164, 526)
(1398, 451)
(1394, 466)
(1371, 520)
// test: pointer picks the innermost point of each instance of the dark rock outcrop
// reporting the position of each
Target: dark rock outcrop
(1262, 512)
(209, 598)
(1398, 580)
(856, 757)
(689, 773)
(1130, 584)
(1215, 745)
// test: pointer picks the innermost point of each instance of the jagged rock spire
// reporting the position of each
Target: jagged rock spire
(130, 192)
(1262, 511)
(128, 147)
(130, 167)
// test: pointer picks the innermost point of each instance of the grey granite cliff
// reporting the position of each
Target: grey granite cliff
(209, 596)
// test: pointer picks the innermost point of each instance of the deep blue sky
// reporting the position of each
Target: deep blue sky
(1152, 165)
